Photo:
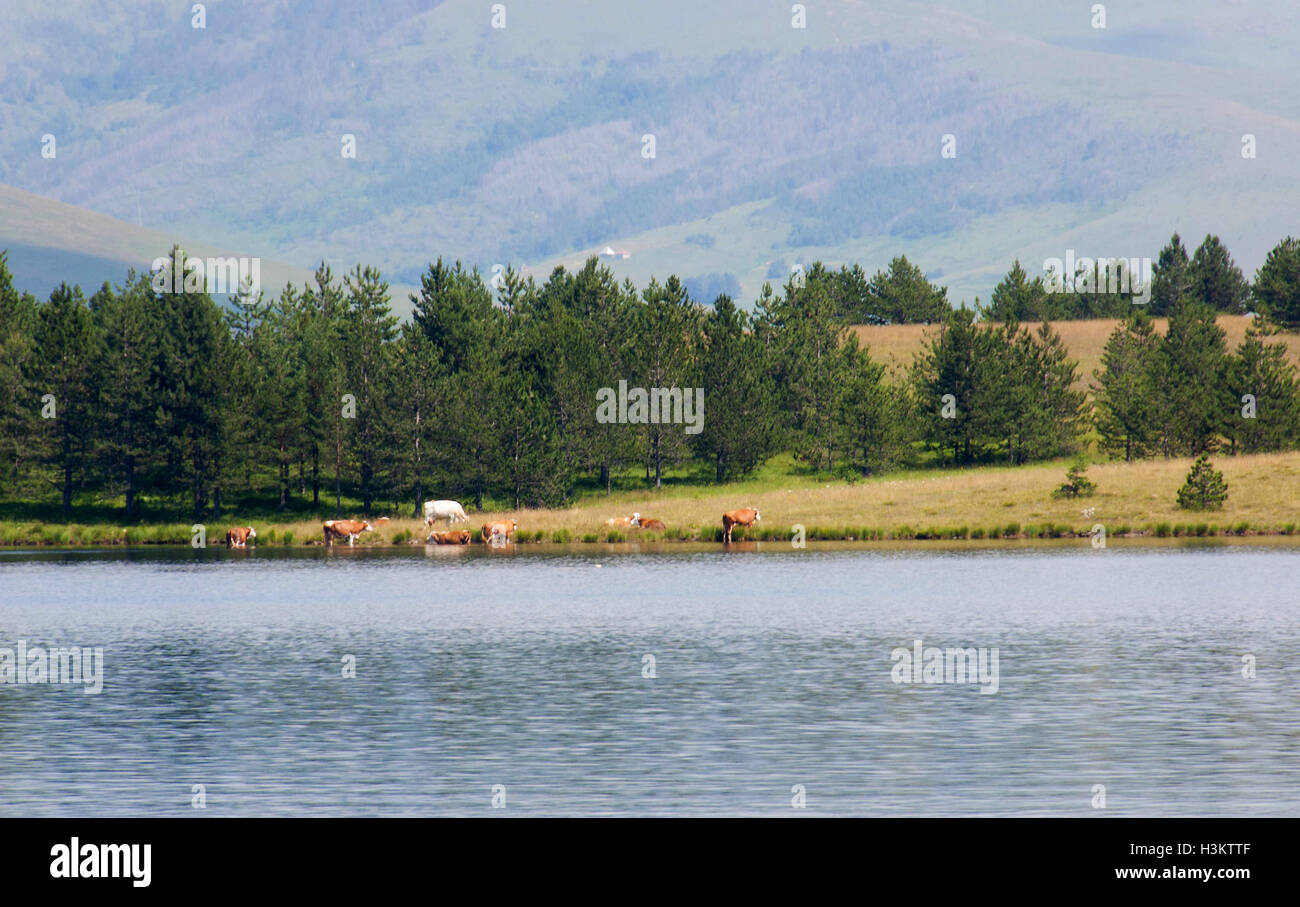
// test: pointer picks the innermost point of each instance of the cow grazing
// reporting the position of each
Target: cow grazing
(745, 517)
(633, 520)
(451, 537)
(499, 530)
(345, 528)
(238, 536)
(451, 511)
(653, 524)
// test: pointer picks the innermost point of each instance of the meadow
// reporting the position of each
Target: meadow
(897, 344)
(1136, 499)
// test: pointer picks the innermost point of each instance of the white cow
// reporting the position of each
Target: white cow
(451, 511)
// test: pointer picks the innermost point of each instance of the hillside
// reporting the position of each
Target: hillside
(773, 144)
(49, 242)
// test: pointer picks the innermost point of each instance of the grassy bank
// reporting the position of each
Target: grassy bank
(983, 503)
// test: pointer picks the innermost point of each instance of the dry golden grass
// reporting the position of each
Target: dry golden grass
(1263, 490)
(896, 345)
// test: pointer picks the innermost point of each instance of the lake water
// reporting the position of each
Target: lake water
(772, 670)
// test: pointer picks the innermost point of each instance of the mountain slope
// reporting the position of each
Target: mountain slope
(772, 144)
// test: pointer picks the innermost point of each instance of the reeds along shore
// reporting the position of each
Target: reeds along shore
(73, 535)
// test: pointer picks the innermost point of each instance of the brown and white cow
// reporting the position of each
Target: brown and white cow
(653, 524)
(499, 529)
(633, 520)
(345, 528)
(747, 516)
(238, 536)
(452, 537)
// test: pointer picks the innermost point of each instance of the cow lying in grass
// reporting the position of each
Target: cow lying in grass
(451, 537)
(349, 529)
(747, 516)
(657, 525)
(238, 536)
(627, 521)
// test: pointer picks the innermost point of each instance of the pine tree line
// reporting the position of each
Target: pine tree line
(1208, 276)
(488, 393)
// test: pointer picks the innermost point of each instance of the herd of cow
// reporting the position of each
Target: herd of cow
(497, 532)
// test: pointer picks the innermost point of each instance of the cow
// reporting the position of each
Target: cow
(653, 524)
(238, 536)
(500, 529)
(451, 511)
(349, 528)
(451, 537)
(747, 516)
(633, 520)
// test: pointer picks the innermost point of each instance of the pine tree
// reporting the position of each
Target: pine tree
(1276, 292)
(903, 295)
(807, 339)
(67, 351)
(1100, 292)
(1265, 397)
(739, 428)
(1076, 484)
(1204, 489)
(186, 381)
(1019, 298)
(1216, 280)
(1171, 280)
(946, 366)
(667, 345)
(1193, 380)
(128, 396)
(279, 391)
(1053, 418)
(371, 329)
(871, 414)
(419, 407)
(455, 312)
(1125, 393)
(320, 329)
(20, 414)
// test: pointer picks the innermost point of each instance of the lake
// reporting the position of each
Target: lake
(775, 677)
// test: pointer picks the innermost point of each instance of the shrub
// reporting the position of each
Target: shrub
(1204, 489)
(561, 536)
(1076, 484)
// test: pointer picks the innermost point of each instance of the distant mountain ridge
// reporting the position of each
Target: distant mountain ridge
(772, 145)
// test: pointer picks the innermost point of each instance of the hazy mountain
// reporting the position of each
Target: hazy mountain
(772, 144)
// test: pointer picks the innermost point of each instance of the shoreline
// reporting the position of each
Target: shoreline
(53, 536)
